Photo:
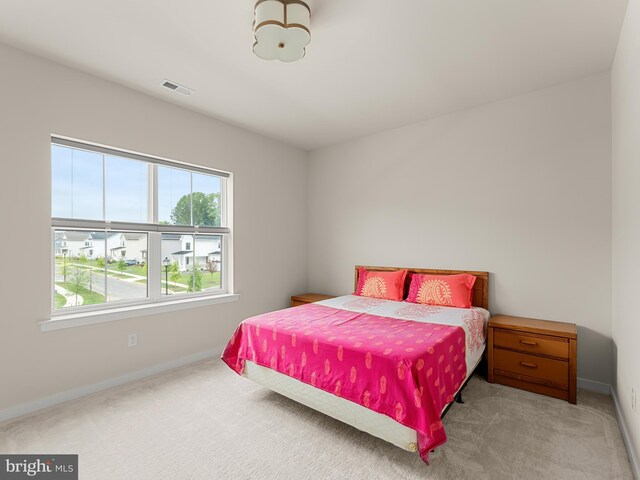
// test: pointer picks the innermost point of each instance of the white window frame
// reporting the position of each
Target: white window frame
(155, 300)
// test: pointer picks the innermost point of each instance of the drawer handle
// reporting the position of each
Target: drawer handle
(528, 365)
(529, 343)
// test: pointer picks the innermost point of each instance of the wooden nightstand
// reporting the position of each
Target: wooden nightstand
(308, 298)
(534, 355)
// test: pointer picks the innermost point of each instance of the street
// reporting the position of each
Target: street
(118, 289)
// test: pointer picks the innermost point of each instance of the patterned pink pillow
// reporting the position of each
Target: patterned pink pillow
(446, 290)
(386, 285)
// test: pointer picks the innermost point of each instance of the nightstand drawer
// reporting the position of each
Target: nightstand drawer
(529, 343)
(546, 369)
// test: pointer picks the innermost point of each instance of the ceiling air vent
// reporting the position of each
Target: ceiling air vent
(176, 87)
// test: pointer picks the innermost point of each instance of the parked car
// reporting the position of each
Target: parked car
(130, 263)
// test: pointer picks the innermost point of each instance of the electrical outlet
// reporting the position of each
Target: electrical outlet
(133, 339)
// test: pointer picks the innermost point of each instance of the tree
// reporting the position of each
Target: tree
(212, 266)
(122, 265)
(206, 210)
(77, 280)
(65, 269)
(195, 280)
(175, 272)
(83, 260)
(100, 262)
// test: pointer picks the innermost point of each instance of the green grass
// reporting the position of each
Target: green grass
(209, 280)
(119, 275)
(60, 300)
(111, 267)
(134, 269)
(137, 270)
(90, 298)
(172, 288)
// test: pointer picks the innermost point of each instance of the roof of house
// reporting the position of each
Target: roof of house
(81, 235)
(72, 236)
(134, 236)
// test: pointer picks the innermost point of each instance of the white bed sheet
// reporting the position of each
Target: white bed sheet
(472, 320)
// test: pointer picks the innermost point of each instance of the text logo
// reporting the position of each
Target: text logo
(49, 467)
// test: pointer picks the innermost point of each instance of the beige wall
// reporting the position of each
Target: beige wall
(521, 188)
(38, 98)
(625, 95)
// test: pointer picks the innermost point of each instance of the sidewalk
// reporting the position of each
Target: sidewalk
(72, 299)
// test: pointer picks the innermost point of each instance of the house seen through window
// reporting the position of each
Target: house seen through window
(129, 229)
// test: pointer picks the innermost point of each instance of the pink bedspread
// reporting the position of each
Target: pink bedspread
(404, 369)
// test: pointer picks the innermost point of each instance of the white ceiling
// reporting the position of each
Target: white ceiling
(372, 65)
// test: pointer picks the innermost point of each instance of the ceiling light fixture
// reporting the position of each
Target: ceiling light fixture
(281, 29)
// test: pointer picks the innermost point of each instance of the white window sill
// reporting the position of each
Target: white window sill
(89, 318)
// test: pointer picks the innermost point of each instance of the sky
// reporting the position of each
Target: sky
(77, 182)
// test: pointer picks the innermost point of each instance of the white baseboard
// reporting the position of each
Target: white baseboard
(30, 407)
(594, 386)
(633, 456)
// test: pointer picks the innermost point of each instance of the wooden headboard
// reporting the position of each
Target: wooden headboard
(479, 298)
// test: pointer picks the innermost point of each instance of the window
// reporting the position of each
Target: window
(129, 229)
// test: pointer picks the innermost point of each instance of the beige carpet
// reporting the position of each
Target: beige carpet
(205, 422)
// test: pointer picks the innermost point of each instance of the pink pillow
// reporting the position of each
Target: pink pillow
(386, 285)
(446, 290)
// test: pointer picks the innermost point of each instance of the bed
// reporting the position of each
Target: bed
(389, 368)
